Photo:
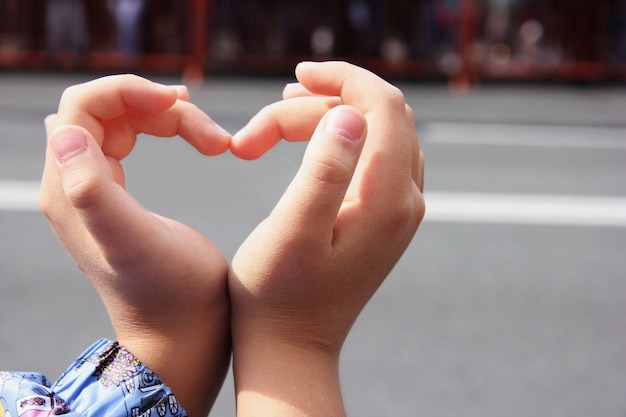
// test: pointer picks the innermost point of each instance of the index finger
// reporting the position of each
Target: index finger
(391, 141)
(356, 86)
(107, 98)
(115, 109)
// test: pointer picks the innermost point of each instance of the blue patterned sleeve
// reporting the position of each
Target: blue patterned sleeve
(29, 395)
(105, 381)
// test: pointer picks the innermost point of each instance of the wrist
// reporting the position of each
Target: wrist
(190, 358)
(281, 379)
(288, 327)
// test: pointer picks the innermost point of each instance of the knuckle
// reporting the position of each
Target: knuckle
(409, 112)
(395, 96)
(332, 172)
(401, 211)
(268, 111)
(50, 204)
(419, 207)
(82, 193)
(407, 211)
(46, 204)
(70, 93)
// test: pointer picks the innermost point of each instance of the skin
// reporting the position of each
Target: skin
(123, 248)
(300, 280)
(297, 283)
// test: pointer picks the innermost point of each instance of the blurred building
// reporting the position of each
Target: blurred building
(462, 40)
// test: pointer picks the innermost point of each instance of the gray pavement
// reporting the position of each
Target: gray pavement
(478, 318)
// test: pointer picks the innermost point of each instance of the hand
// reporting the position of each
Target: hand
(163, 284)
(300, 280)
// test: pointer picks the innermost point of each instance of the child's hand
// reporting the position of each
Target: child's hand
(300, 280)
(163, 284)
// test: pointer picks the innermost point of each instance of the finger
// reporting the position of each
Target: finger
(99, 203)
(51, 195)
(106, 98)
(50, 123)
(183, 118)
(356, 86)
(182, 91)
(392, 137)
(310, 205)
(294, 120)
(293, 90)
(420, 173)
(418, 158)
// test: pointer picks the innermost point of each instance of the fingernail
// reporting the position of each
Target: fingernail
(67, 144)
(346, 123)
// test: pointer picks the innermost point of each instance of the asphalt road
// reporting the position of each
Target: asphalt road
(519, 312)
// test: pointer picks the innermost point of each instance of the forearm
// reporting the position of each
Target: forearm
(274, 379)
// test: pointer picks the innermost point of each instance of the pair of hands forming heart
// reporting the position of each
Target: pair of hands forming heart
(297, 283)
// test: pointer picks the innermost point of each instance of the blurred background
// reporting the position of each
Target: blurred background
(511, 299)
(460, 40)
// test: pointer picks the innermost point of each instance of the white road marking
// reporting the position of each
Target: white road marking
(19, 195)
(549, 210)
(448, 207)
(546, 136)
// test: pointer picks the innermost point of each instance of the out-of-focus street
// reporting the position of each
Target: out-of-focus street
(510, 301)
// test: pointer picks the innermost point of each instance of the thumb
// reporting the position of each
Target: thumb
(310, 205)
(113, 219)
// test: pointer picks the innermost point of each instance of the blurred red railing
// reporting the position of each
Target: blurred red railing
(464, 41)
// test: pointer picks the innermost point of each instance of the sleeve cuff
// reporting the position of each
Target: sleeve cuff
(109, 381)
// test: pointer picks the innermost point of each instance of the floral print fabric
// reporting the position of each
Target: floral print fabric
(105, 381)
